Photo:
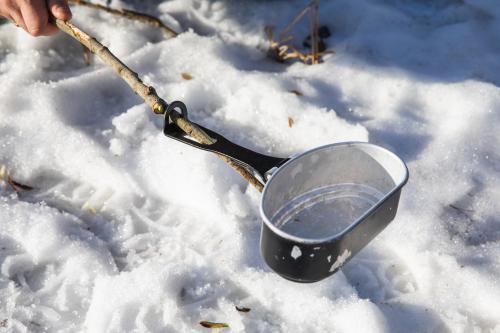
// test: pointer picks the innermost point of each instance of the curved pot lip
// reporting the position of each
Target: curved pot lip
(315, 241)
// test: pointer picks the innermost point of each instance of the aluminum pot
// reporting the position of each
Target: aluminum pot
(319, 208)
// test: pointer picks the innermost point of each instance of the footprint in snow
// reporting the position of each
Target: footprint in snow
(380, 275)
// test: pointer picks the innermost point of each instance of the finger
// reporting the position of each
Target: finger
(50, 30)
(60, 9)
(12, 14)
(35, 16)
(5, 9)
(17, 19)
(8, 18)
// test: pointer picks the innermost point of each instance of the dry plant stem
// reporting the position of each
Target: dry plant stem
(130, 14)
(311, 32)
(292, 23)
(316, 37)
(146, 92)
(281, 51)
(311, 29)
(149, 95)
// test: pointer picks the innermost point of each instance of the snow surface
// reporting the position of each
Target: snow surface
(129, 231)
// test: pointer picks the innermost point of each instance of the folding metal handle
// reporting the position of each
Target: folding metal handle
(258, 164)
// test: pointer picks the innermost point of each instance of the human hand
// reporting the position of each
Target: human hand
(33, 15)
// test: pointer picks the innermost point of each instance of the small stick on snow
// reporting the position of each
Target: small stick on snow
(290, 25)
(131, 15)
(148, 93)
(313, 31)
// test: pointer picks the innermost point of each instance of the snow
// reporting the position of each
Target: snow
(129, 231)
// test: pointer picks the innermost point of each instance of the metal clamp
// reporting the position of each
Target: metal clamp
(174, 105)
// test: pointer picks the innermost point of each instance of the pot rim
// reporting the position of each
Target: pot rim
(333, 237)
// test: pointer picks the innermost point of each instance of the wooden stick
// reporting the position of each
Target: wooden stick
(311, 33)
(149, 95)
(129, 14)
(199, 135)
(293, 22)
(316, 37)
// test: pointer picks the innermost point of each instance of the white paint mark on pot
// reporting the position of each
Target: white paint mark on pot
(341, 259)
(296, 252)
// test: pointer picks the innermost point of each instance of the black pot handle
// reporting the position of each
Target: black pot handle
(257, 164)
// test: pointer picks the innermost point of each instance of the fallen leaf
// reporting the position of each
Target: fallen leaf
(88, 208)
(187, 76)
(460, 209)
(209, 324)
(290, 122)
(18, 187)
(242, 309)
(296, 92)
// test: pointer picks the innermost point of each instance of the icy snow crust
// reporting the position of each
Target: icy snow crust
(130, 231)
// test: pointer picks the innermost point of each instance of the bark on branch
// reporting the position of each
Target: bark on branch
(148, 93)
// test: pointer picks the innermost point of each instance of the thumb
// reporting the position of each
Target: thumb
(59, 9)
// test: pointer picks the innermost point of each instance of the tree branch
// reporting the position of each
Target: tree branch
(148, 93)
(129, 14)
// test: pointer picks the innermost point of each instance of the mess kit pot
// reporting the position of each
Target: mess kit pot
(319, 208)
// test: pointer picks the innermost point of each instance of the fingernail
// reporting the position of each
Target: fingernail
(63, 11)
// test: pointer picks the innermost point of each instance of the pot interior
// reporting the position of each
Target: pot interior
(322, 192)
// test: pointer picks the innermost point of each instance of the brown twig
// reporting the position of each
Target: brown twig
(281, 50)
(18, 187)
(306, 58)
(292, 23)
(148, 93)
(311, 31)
(210, 324)
(242, 309)
(199, 135)
(14, 185)
(315, 37)
(129, 14)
